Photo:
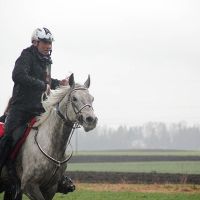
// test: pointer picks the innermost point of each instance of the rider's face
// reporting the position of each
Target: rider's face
(44, 47)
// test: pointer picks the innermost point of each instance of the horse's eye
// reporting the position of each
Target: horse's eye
(74, 99)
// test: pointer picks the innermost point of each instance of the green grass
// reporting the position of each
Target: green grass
(90, 195)
(127, 192)
(186, 167)
(141, 153)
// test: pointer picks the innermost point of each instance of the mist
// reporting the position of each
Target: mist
(152, 135)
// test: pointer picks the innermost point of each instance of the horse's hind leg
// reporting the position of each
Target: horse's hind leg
(33, 192)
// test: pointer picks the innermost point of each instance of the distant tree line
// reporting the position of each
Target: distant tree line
(152, 135)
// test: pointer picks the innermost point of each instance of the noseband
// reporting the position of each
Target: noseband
(77, 111)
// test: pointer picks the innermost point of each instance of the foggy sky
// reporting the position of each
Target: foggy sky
(143, 56)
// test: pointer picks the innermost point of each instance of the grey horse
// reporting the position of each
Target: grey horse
(42, 159)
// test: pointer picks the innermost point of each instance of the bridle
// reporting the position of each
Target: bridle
(77, 111)
(72, 124)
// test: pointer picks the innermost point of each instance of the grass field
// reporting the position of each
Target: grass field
(185, 167)
(147, 152)
(90, 195)
(131, 192)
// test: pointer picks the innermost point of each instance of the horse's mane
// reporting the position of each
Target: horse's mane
(55, 97)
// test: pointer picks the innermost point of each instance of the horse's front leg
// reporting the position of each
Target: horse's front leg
(33, 192)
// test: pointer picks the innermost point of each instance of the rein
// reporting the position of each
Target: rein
(56, 162)
(67, 122)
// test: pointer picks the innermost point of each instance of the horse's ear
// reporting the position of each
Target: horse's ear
(87, 83)
(71, 80)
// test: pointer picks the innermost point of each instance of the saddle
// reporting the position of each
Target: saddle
(19, 136)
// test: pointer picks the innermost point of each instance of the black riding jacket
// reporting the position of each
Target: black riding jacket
(31, 74)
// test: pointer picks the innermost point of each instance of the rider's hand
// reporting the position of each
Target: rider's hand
(64, 82)
(48, 89)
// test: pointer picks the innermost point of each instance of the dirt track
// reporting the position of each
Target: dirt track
(100, 158)
(144, 188)
(118, 177)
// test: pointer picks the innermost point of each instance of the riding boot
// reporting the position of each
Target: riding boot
(5, 146)
(65, 185)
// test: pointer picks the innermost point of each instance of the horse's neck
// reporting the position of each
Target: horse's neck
(57, 133)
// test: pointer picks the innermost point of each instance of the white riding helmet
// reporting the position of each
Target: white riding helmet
(42, 34)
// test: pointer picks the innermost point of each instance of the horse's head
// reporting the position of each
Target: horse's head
(79, 105)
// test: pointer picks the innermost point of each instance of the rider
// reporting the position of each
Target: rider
(32, 77)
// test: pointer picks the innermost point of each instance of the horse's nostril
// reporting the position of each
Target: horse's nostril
(89, 119)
